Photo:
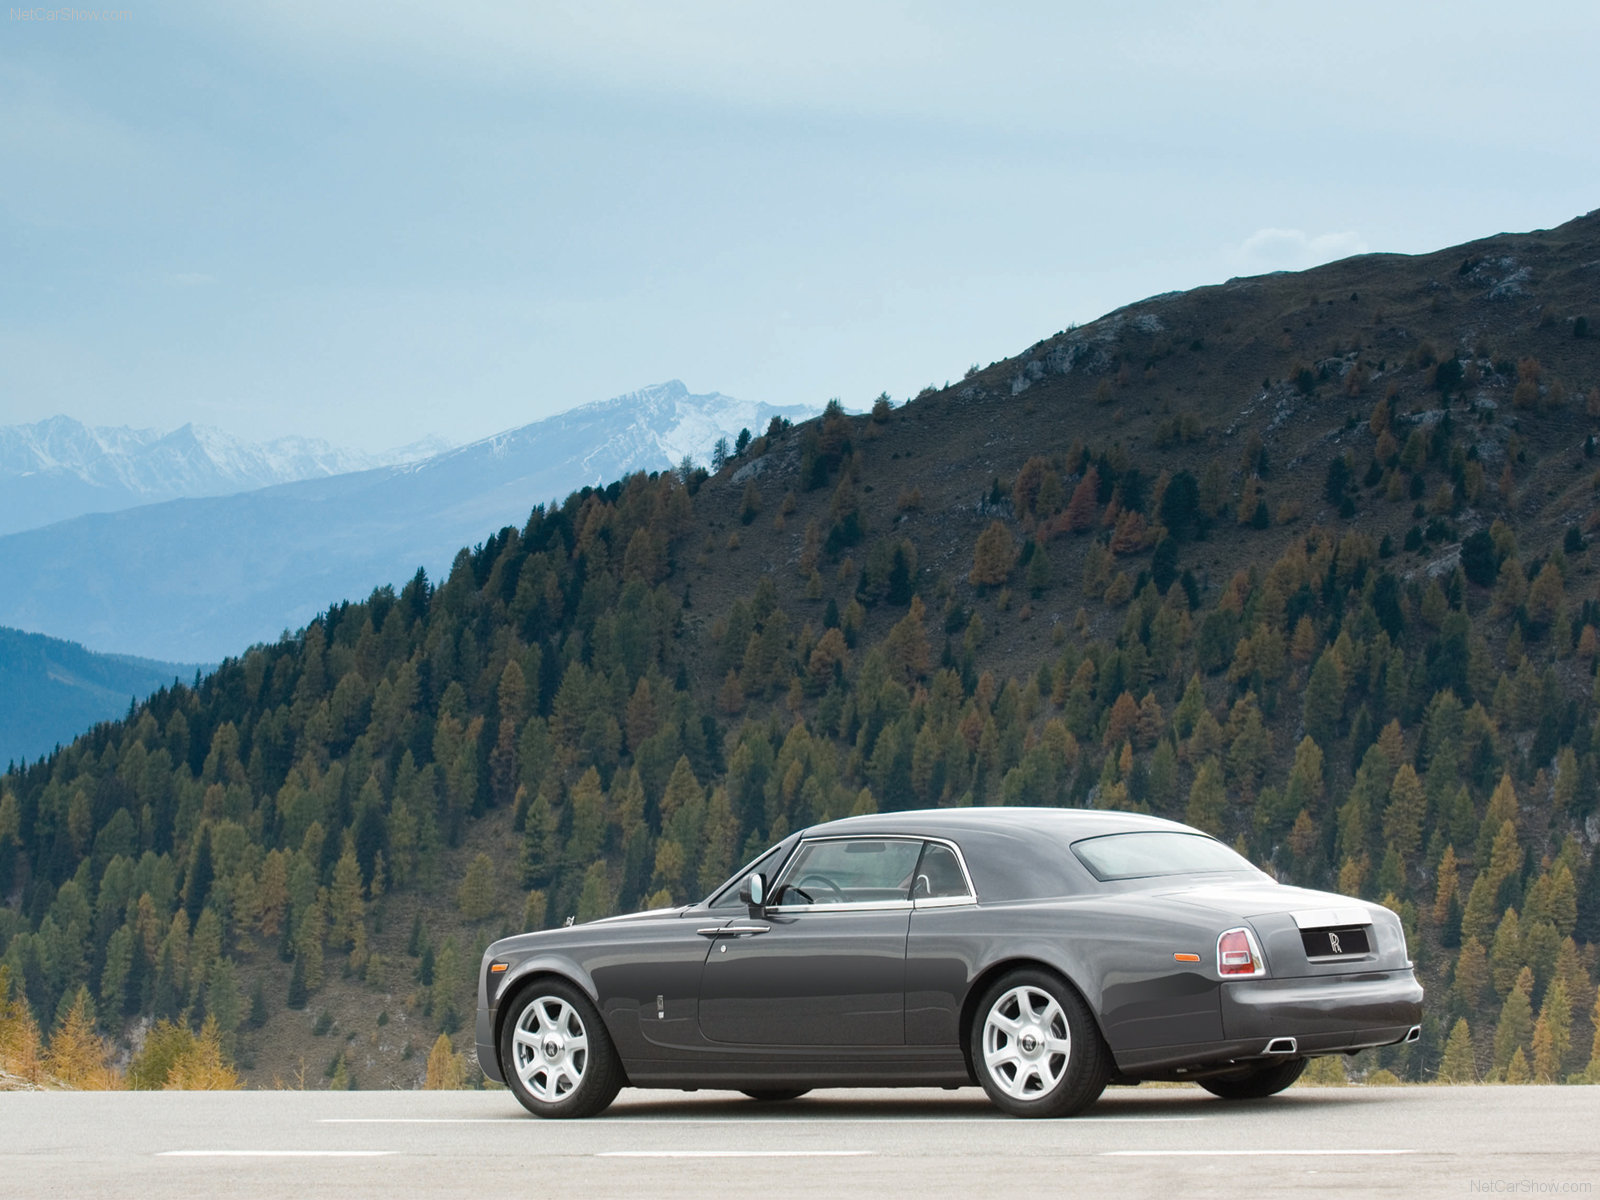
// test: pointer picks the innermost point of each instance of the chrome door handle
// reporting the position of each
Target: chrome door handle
(733, 930)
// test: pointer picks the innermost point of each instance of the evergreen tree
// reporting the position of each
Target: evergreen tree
(1458, 1065)
(993, 557)
(77, 1056)
(446, 1069)
(1515, 1027)
(476, 896)
(1552, 1035)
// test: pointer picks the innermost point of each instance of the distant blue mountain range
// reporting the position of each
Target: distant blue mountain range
(202, 579)
(51, 691)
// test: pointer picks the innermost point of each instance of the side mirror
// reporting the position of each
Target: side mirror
(754, 894)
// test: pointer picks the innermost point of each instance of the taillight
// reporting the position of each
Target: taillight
(1238, 956)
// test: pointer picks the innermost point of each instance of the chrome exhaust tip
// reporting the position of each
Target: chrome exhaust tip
(1282, 1045)
(1413, 1033)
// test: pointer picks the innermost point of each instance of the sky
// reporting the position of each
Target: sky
(373, 222)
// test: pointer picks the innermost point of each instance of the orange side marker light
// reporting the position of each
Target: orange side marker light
(498, 968)
(1186, 957)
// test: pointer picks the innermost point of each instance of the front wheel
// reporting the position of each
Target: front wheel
(1036, 1049)
(1257, 1083)
(558, 1058)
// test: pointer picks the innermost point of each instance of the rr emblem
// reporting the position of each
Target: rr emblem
(1333, 941)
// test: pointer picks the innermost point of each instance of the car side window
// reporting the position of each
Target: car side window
(939, 874)
(850, 871)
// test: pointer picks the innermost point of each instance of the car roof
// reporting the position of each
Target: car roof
(947, 822)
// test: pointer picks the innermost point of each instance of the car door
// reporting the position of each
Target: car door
(825, 963)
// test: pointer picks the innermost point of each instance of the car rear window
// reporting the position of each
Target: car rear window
(1155, 852)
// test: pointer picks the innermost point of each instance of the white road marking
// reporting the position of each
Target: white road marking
(1244, 1153)
(796, 1119)
(734, 1153)
(274, 1153)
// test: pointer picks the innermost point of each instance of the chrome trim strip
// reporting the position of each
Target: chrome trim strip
(732, 930)
(1327, 918)
(944, 902)
(848, 906)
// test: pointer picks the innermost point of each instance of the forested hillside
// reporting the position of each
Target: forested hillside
(1303, 560)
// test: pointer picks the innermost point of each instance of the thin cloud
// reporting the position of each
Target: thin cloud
(1294, 249)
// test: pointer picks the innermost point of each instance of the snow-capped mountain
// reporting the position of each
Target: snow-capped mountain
(59, 468)
(650, 429)
(201, 579)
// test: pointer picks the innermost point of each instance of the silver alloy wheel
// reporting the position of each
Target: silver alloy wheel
(1026, 1042)
(551, 1048)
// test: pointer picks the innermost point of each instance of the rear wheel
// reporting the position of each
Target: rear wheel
(1036, 1049)
(775, 1095)
(1256, 1083)
(558, 1058)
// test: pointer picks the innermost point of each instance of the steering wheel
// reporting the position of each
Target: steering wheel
(822, 881)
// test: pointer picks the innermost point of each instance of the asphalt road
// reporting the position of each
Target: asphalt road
(831, 1145)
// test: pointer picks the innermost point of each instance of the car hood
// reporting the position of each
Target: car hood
(649, 914)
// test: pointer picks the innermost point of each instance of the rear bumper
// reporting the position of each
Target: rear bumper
(1325, 1014)
(1320, 1010)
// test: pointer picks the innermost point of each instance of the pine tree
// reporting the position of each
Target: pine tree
(1515, 1027)
(258, 1005)
(77, 1055)
(20, 1043)
(1323, 706)
(595, 898)
(346, 908)
(446, 1069)
(1552, 1035)
(203, 1066)
(1085, 503)
(1449, 874)
(1402, 818)
(1517, 1068)
(1591, 1073)
(993, 557)
(298, 992)
(907, 643)
(1207, 798)
(1506, 957)
(476, 896)
(1458, 1065)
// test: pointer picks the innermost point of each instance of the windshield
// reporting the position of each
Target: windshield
(768, 862)
(1155, 852)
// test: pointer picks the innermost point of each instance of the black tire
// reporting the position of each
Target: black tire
(1256, 1083)
(549, 1077)
(774, 1095)
(1038, 1082)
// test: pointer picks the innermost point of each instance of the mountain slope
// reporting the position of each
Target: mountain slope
(59, 468)
(1303, 560)
(51, 691)
(198, 579)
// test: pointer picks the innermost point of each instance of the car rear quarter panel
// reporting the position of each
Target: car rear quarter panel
(1117, 953)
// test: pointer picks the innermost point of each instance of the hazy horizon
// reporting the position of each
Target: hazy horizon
(372, 224)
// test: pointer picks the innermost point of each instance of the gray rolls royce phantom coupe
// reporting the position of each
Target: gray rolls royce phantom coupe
(1041, 953)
